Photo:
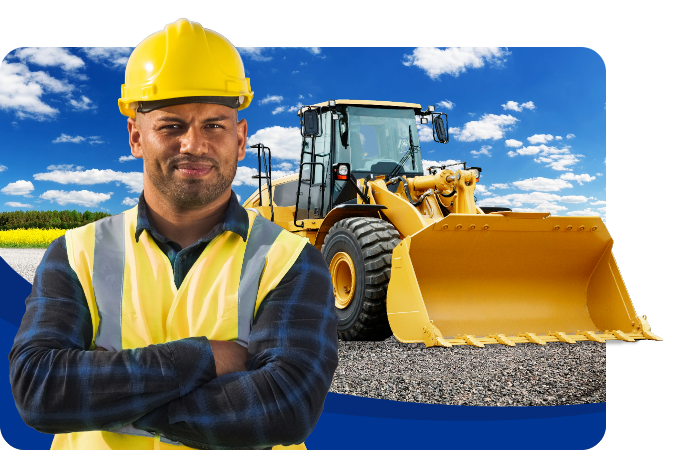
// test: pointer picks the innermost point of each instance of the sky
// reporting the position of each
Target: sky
(532, 118)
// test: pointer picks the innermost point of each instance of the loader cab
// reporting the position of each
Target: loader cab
(372, 137)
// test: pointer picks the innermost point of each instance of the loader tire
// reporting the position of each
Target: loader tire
(367, 244)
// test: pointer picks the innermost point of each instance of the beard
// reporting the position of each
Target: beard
(190, 193)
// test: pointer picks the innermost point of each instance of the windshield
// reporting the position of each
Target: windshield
(379, 139)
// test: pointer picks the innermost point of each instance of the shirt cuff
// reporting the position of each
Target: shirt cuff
(193, 361)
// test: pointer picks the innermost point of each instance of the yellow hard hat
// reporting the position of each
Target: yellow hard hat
(184, 63)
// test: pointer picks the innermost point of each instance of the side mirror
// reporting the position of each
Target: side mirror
(440, 129)
(344, 131)
(311, 122)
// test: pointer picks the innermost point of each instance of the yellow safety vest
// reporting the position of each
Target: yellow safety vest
(134, 301)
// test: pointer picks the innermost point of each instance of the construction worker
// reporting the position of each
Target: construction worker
(186, 320)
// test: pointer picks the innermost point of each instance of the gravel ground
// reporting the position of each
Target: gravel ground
(497, 375)
(23, 260)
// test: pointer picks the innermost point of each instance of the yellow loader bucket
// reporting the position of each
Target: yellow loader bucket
(510, 278)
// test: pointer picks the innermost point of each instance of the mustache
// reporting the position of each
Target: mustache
(185, 159)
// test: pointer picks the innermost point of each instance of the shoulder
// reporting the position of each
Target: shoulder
(267, 232)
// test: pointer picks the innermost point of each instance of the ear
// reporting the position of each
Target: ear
(134, 138)
(242, 129)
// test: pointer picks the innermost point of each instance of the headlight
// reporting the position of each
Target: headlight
(476, 173)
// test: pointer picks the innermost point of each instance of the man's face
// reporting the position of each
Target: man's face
(190, 152)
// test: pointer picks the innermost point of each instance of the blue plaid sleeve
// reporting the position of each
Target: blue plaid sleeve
(292, 359)
(60, 386)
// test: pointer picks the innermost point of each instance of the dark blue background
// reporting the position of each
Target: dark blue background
(350, 422)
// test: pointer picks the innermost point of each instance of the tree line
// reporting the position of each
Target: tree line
(64, 220)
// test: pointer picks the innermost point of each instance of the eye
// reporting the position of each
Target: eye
(215, 126)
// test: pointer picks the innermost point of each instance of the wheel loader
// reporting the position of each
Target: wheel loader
(412, 254)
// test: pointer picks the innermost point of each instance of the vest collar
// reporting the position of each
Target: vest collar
(235, 220)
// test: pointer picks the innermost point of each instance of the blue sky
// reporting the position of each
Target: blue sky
(532, 118)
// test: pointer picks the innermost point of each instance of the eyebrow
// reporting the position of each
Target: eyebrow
(178, 120)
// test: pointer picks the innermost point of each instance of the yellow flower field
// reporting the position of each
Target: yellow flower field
(29, 238)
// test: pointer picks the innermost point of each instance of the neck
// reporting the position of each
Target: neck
(183, 226)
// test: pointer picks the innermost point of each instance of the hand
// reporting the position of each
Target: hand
(229, 357)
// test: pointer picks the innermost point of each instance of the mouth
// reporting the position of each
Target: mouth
(193, 170)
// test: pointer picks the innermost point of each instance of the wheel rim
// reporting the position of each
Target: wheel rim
(343, 279)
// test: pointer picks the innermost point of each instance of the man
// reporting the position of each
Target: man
(187, 319)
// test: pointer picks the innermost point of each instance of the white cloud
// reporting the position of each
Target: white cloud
(83, 105)
(554, 157)
(21, 187)
(512, 154)
(300, 97)
(64, 167)
(542, 184)
(244, 174)
(113, 57)
(18, 205)
(271, 99)
(558, 138)
(21, 91)
(514, 106)
(584, 177)
(446, 104)
(83, 198)
(67, 138)
(540, 201)
(511, 105)
(484, 150)
(499, 186)
(285, 165)
(293, 109)
(50, 56)
(133, 180)
(93, 140)
(454, 60)
(429, 163)
(255, 53)
(559, 162)
(130, 201)
(585, 212)
(540, 138)
(127, 158)
(574, 199)
(599, 202)
(490, 126)
(599, 174)
(570, 136)
(425, 133)
(258, 53)
(279, 109)
(513, 143)
(3, 168)
(482, 190)
(284, 143)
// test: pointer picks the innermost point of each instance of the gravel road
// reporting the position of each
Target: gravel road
(497, 375)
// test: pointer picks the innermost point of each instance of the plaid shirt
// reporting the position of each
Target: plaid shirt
(60, 386)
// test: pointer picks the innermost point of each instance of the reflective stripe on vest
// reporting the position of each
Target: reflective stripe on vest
(134, 302)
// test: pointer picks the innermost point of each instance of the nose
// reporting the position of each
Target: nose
(193, 142)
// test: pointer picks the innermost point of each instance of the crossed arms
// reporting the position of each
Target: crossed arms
(187, 390)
